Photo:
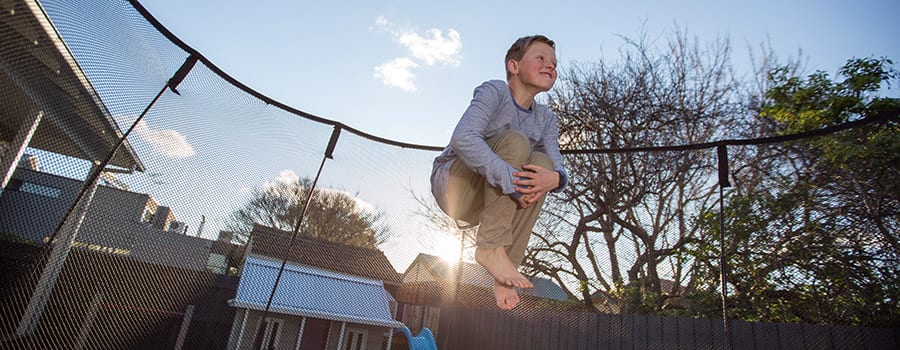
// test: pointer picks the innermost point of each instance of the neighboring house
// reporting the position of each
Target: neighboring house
(430, 283)
(130, 237)
(118, 222)
(46, 100)
(427, 268)
(329, 295)
(47, 103)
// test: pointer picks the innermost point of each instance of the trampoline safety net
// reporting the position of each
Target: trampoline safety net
(152, 201)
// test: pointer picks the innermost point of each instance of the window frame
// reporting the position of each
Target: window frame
(354, 343)
(269, 323)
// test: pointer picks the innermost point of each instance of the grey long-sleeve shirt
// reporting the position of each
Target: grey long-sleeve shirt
(492, 110)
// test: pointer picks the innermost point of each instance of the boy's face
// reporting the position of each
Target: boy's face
(537, 68)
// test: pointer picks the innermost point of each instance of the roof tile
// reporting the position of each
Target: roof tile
(319, 253)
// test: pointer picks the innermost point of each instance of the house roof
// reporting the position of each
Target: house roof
(475, 275)
(322, 254)
(311, 292)
(439, 269)
(443, 292)
(43, 75)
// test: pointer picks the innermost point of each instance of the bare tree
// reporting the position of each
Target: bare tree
(617, 230)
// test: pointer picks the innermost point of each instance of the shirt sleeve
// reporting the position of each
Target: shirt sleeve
(469, 140)
(550, 142)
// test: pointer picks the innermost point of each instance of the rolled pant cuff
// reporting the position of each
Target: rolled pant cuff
(491, 245)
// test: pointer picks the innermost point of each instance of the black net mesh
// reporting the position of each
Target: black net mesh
(143, 209)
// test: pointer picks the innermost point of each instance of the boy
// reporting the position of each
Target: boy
(502, 159)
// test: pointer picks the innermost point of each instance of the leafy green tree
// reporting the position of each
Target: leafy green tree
(857, 167)
(816, 241)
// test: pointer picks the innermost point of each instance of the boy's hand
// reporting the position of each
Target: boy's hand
(533, 182)
(531, 198)
(521, 201)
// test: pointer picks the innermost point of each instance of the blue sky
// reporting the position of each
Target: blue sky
(322, 56)
(405, 70)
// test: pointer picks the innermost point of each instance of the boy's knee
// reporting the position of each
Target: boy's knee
(541, 159)
(513, 147)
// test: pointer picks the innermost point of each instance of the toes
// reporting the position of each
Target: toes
(523, 282)
(508, 302)
(519, 281)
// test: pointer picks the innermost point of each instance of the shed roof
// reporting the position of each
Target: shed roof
(310, 292)
(319, 253)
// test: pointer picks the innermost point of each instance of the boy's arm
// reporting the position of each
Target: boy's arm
(550, 142)
(538, 180)
(469, 140)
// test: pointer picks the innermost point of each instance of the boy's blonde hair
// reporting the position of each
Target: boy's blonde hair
(518, 48)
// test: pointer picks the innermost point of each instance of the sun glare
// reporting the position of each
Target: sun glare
(447, 247)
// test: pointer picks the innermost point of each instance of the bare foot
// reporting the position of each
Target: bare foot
(498, 265)
(506, 296)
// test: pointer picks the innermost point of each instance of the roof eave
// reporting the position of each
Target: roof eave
(95, 117)
(316, 314)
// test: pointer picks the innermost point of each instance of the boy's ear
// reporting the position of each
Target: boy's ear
(512, 67)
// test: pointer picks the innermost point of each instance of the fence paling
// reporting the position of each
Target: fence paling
(547, 329)
(481, 328)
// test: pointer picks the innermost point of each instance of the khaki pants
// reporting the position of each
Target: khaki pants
(471, 199)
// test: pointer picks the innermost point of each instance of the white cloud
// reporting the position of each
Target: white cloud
(383, 22)
(169, 142)
(398, 73)
(287, 176)
(429, 49)
(434, 47)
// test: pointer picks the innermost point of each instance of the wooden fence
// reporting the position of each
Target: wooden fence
(132, 284)
(107, 301)
(474, 329)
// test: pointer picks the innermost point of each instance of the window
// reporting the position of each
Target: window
(216, 263)
(148, 214)
(33, 188)
(355, 339)
(272, 333)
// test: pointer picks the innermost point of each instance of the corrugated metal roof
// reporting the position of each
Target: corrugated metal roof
(310, 292)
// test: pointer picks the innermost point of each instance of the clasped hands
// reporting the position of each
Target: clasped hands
(533, 182)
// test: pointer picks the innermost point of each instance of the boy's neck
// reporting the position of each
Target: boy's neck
(522, 95)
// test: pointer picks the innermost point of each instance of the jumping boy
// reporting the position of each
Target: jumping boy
(502, 159)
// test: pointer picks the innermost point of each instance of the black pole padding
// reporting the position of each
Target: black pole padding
(722, 153)
(182, 73)
(329, 151)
